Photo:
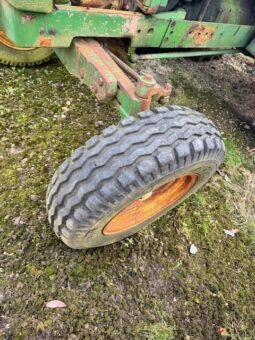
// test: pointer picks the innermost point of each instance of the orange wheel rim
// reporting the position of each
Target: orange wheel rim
(7, 42)
(150, 204)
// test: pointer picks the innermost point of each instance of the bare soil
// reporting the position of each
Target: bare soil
(148, 286)
(229, 78)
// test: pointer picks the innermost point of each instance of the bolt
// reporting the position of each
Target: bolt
(148, 77)
(100, 82)
(163, 100)
(134, 58)
(147, 80)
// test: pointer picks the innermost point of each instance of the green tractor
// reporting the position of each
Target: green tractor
(156, 157)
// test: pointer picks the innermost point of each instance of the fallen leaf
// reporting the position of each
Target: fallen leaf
(17, 220)
(221, 173)
(55, 304)
(222, 332)
(193, 249)
(231, 232)
(14, 151)
(227, 179)
(224, 175)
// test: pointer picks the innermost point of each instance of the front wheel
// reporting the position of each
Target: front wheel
(131, 175)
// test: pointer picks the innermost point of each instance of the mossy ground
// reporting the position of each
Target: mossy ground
(147, 286)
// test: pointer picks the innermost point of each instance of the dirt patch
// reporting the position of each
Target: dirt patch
(148, 286)
(231, 79)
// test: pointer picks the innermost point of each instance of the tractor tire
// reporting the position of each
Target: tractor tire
(12, 55)
(131, 175)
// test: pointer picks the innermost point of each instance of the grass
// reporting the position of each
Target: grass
(148, 285)
(158, 331)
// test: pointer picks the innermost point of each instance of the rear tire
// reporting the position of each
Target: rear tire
(130, 165)
(12, 55)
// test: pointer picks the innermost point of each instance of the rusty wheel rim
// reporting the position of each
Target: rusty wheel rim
(7, 42)
(150, 204)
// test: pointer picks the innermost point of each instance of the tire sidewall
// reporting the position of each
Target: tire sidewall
(11, 56)
(95, 237)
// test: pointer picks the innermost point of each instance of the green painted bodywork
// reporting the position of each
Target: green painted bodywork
(127, 105)
(40, 23)
(57, 29)
(194, 34)
(41, 6)
(185, 34)
(88, 61)
(83, 67)
(251, 47)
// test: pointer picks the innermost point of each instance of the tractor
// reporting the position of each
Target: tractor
(157, 156)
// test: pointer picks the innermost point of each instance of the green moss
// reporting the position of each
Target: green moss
(158, 331)
(148, 285)
(234, 155)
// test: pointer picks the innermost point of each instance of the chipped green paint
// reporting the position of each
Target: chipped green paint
(251, 47)
(192, 34)
(42, 6)
(157, 32)
(57, 29)
(83, 61)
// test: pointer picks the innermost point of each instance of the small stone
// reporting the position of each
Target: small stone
(24, 161)
(193, 249)
(231, 232)
(222, 331)
(55, 304)
(65, 109)
(247, 127)
(99, 123)
(34, 198)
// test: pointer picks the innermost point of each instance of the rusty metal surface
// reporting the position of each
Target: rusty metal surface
(103, 73)
(200, 34)
(133, 74)
(57, 29)
(110, 4)
(86, 60)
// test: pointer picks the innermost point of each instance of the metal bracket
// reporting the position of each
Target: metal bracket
(106, 76)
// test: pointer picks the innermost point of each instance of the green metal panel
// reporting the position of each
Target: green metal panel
(150, 32)
(57, 29)
(231, 11)
(178, 14)
(83, 62)
(251, 47)
(153, 28)
(193, 34)
(43, 6)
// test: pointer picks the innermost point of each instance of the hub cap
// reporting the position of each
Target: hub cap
(150, 205)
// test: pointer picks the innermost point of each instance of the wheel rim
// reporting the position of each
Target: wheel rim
(150, 204)
(7, 42)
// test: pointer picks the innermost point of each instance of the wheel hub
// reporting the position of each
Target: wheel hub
(150, 204)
